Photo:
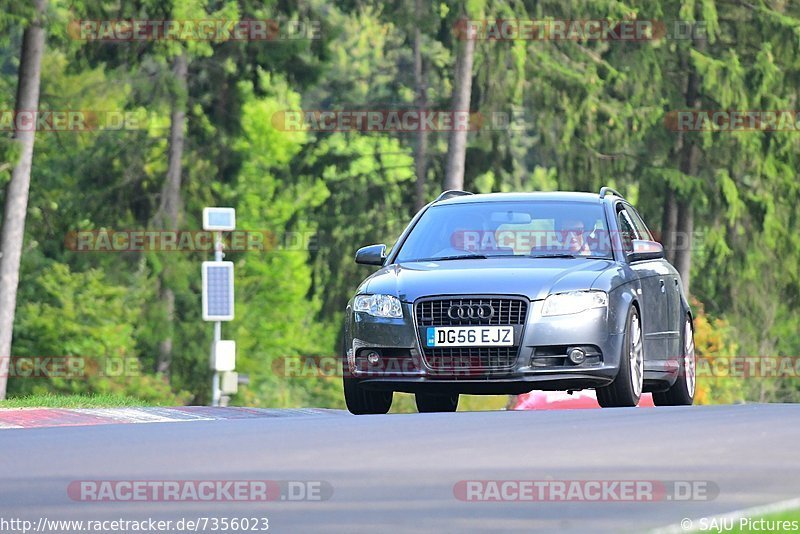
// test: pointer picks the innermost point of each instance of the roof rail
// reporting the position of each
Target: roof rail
(451, 193)
(606, 190)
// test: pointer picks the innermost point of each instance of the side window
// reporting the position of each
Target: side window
(641, 228)
(627, 229)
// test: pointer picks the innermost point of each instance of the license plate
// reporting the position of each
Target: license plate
(470, 336)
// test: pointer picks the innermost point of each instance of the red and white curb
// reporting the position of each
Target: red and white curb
(55, 417)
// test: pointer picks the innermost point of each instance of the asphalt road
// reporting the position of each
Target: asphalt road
(396, 473)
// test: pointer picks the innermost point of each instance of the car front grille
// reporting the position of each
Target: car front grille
(508, 311)
(473, 360)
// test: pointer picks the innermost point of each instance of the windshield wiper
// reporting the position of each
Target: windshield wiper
(566, 255)
(556, 255)
(459, 257)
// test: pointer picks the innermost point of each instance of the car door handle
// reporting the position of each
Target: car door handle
(661, 283)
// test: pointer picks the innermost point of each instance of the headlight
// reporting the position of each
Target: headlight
(573, 302)
(378, 305)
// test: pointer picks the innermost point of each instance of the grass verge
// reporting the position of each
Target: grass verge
(404, 403)
(779, 522)
(50, 400)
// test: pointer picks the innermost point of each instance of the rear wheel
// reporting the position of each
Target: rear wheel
(362, 401)
(427, 402)
(626, 389)
(682, 391)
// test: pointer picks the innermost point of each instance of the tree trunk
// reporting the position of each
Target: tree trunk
(171, 192)
(16, 201)
(669, 224)
(689, 165)
(690, 158)
(462, 92)
(683, 255)
(421, 152)
(169, 209)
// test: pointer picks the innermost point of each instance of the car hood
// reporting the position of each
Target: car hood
(534, 278)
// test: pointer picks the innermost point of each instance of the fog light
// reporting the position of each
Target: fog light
(373, 357)
(577, 356)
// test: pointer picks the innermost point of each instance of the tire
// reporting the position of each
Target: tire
(362, 401)
(681, 393)
(427, 402)
(626, 389)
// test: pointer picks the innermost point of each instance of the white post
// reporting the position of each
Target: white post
(215, 391)
(218, 220)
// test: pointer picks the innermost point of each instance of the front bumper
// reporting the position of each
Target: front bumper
(541, 361)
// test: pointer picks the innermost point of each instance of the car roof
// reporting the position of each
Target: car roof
(514, 197)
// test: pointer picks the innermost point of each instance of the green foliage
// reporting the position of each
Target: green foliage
(82, 316)
(592, 113)
(370, 184)
(276, 315)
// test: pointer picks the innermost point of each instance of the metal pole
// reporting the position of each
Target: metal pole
(215, 391)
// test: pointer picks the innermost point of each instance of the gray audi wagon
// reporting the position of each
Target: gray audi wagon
(504, 293)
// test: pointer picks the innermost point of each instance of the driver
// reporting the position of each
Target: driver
(573, 237)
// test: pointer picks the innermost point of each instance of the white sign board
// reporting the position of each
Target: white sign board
(219, 219)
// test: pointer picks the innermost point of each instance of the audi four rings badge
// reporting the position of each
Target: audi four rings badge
(474, 311)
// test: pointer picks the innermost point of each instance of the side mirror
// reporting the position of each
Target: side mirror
(645, 250)
(371, 255)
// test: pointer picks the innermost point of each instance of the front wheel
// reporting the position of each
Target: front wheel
(362, 401)
(682, 391)
(626, 389)
(427, 402)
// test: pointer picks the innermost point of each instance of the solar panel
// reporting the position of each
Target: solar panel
(217, 290)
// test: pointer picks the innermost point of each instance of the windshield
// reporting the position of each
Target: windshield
(502, 229)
